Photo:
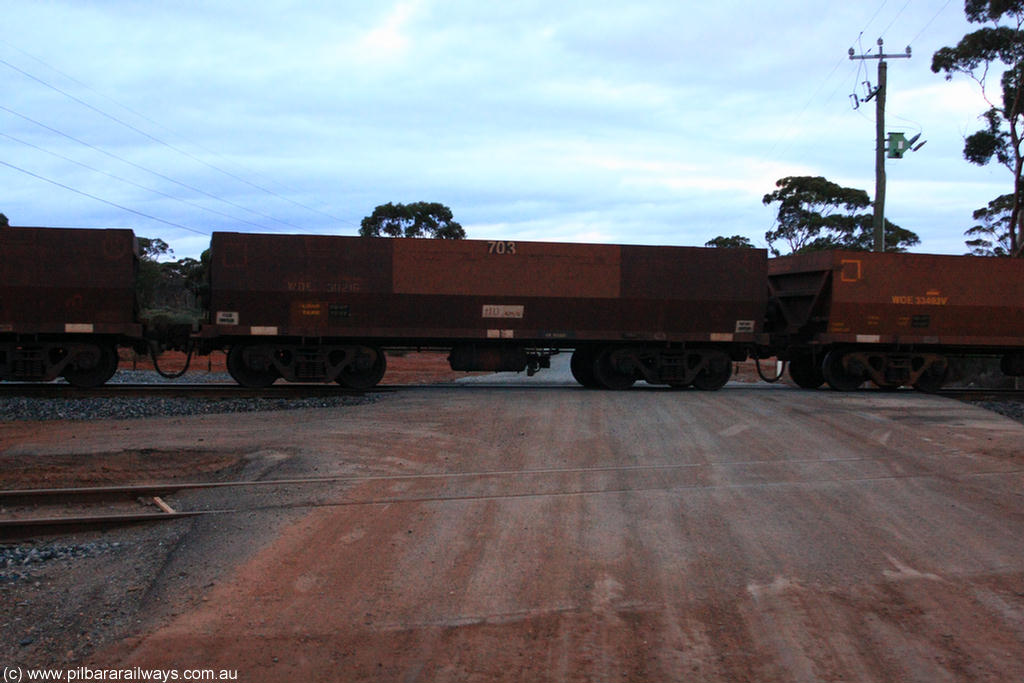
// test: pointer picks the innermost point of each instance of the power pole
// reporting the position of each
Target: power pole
(879, 95)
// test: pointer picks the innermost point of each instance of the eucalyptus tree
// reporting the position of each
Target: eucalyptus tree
(997, 46)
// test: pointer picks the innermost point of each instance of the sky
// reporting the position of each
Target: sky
(649, 122)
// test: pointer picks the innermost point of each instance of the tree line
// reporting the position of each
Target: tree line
(815, 214)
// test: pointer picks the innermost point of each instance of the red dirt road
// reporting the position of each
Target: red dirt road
(564, 537)
(752, 534)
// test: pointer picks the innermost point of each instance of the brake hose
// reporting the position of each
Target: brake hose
(760, 372)
(171, 375)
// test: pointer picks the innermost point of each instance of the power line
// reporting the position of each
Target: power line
(886, 30)
(860, 68)
(936, 16)
(84, 85)
(159, 140)
(821, 85)
(100, 199)
(873, 17)
(147, 170)
(130, 182)
(807, 105)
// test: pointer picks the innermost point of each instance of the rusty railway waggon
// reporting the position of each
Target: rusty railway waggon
(894, 319)
(318, 308)
(67, 301)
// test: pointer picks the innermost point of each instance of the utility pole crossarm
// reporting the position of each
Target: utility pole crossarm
(905, 55)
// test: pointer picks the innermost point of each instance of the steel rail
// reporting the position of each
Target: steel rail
(63, 494)
(178, 390)
(13, 528)
(34, 527)
(19, 528)
(980, 392)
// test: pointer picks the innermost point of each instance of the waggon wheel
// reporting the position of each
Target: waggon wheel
(93, 368)
(838, 377)
(608, 374)
(933, 378)
(805, 372)
(244, 373)
(365, 370)
(582, 366)
(715, 374)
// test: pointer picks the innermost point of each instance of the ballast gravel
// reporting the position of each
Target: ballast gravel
(40, 409)
(23, 408)
(1011, 409)
(17, 561)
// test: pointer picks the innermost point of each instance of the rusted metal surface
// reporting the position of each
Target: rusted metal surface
(67, 281)
(442, 290)
(925, 299)
(505, 268)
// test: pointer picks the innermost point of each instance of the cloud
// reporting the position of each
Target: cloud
(389, 40)
(646, 122)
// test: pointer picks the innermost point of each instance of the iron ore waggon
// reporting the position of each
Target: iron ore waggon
(894, 319)
(319, 308)
(67, 301)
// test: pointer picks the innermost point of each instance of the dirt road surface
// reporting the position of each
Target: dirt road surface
(552, 533)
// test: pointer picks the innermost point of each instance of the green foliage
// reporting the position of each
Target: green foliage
(734, 242)
(980, 49)
(147, 278)
(152, 248)
(980, 11)
(862, 238)
(170, 290)
(4, 222)
(991, 142)
(419, 219)
(975, 56)
(816, 214)
(992, 236)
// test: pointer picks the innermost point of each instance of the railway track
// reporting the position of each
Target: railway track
(66, 510)
(72, 509)
(177, 390)
(228, 389)
(982, 394)
(69, 509)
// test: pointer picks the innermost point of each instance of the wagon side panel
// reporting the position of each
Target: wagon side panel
(68, 281)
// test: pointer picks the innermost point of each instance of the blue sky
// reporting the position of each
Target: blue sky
(645, 122)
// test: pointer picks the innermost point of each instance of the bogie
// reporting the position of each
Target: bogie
(613, 369)
(84, 364)
(251, 366)
(805, 371)
(716, 372)
(842, 372)
(582, 367)
(932, 377)
(365, 370)
(92, 366)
